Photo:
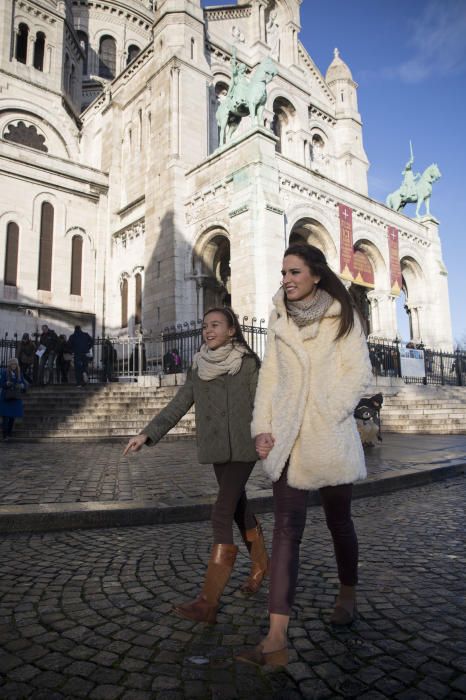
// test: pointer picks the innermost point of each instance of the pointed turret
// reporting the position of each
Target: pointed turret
(353, 163)
(337, 70)
(340, 81)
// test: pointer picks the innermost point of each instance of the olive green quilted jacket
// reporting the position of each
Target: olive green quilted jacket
(223, 409)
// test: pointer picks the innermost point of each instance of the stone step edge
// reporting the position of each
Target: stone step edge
(66, 516)
(112, 438)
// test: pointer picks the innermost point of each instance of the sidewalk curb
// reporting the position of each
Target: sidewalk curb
(105, 514)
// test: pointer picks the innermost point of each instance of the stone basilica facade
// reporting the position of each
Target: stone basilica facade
(120, 210)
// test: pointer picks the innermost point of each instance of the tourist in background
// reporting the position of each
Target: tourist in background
(26, 355)
(46, 352)
(12, 386)
(81, 344)
(109, 360)
(172, 362)
(315, 368)
(221, 383)
(64, 357)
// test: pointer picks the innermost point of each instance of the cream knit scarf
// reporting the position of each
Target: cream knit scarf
(305, 312)
(226, 359)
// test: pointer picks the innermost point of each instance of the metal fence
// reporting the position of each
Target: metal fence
(434, 366)
(124, 359)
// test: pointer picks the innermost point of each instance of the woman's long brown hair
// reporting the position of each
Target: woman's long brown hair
(317, 263)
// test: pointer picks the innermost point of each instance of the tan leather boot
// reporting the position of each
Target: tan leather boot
(345, 606)
(204, 607)
(254, 541)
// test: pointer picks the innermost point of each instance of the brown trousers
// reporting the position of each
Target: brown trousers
(232, 503)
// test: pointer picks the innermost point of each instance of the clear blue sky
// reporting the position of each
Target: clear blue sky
(409, 60)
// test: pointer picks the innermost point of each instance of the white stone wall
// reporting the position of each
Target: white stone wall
(75, 213)
(144, 180)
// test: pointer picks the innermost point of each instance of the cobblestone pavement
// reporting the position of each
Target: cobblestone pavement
(70, 472)
(85, 614)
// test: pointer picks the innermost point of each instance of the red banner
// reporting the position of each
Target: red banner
(346, 242)
(363, 270)
(394, 257)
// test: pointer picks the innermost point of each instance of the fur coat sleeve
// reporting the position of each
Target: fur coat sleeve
(356, 368)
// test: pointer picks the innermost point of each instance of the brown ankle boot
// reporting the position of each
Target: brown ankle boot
(254, 541)
(204, 607)
(345, 606)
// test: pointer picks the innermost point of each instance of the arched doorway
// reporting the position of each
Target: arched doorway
(364, 282)
(212, 270)
(311, 231)
(413, 283)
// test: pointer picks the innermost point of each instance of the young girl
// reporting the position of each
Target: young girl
(316, 367)
(222, 384)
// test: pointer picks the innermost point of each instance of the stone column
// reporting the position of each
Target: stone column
(175, 111)
(15, 39)
(30, 54)
(434, 311)
(415, 325)
(383, 308)
(131, 304)
(48, 59)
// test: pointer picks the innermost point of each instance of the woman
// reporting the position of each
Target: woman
(316, 366)
(12, 385)
(222, 384)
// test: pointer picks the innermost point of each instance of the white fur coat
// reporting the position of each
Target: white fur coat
(309, 385)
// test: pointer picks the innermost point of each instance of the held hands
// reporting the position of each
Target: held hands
(135, 444)
(264, 444)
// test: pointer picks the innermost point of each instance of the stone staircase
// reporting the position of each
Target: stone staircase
(115, 410)
(95, 412)
(436, 410)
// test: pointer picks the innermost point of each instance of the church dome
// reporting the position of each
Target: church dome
(337, 70)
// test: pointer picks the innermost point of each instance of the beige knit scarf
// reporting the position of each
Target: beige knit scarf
(305, 312)
(226, 359)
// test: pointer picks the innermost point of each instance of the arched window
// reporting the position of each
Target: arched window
(45, 247)
(283, 113)
(25, 135)
(11, 254)
(138, 298)
(133, 51)
(124, 302)
(317, 149)
(107, 57)
(39, 49)
(22, 43)
(76, 264)
(84, 44)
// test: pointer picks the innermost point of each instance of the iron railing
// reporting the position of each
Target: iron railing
(124, 359)
(434, 366)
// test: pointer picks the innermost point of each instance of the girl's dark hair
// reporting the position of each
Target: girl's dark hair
(317, 263)
(233, 322)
